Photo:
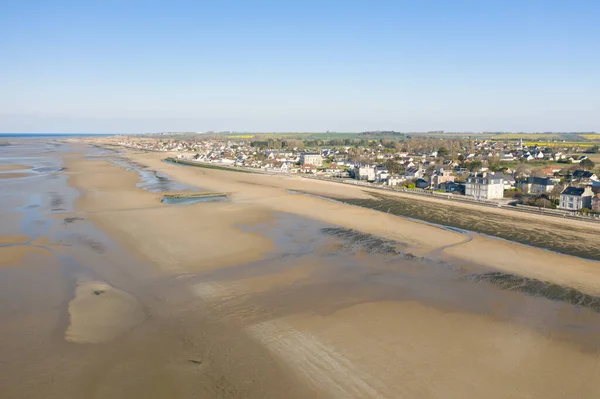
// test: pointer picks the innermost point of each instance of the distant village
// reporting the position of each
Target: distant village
(485, 170)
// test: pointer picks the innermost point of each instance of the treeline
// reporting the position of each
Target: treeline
(278, 144)
(383, 133)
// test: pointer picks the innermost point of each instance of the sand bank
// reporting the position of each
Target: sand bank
(12, 175)
(13, 238)
(102, 189)
(196, 237)
(13, 167)
(13, 256)
(100, 313)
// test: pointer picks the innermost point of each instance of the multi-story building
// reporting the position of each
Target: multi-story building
(536, 185)
(365, 172)
(440, 176)
(576, 198)
(484, 186)
(311, 158)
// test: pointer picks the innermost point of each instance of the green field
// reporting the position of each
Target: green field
(299, 136)
(560, 144)
(556, 138)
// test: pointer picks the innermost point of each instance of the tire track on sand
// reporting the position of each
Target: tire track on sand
(315, 362)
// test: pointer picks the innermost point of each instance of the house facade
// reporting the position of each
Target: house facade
(365, 172)
(484, 186)
(508, 180)
(576, 198)
(394, 180)
(311, 158)
(414, 172)
(584, 176)
(536, 185)
(439, 177)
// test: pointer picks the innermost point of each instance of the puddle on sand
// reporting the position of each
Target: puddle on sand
(152, 180)
(193, 200)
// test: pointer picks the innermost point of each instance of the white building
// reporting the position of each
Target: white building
(365, 172)
(311, 158)
(394, 180)
(576, 198)
(485, 186)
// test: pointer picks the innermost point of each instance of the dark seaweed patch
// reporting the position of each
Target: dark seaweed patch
(567, 240)
(534, 287)
(354, 241)
(94, 245)
(72, 219)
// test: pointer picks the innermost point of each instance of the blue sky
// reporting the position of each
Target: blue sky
(140, 66)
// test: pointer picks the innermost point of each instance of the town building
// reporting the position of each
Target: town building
(484, 186)
(452, 187)
(507, 179)
(422, 183)
(584, 176)
(311, 158)
(414, 172)
(365, 172)
(576, 198)
(394, 180)
(439, 177)
(536, 185)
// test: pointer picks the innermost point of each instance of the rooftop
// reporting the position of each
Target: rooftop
(577, 191)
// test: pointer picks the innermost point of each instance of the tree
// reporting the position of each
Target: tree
(494, 164)
(442, 152)
(543, 203)
(393, 166)
(474, 165)
(555, 193)
(537, 173)
(523, 170)
(587, 164)
(593, 150)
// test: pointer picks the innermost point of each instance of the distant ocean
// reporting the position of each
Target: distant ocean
(23, 135)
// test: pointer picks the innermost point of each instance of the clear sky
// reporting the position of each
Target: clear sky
(140, 66)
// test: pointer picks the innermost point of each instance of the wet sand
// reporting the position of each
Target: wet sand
(14, 256)
(12, 175)
(271, 294)
(13, 167)
(99, 312)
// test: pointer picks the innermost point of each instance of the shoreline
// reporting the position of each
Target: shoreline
(269, 192)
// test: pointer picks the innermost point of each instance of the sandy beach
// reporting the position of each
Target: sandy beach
(274, 294)
(272, 192)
